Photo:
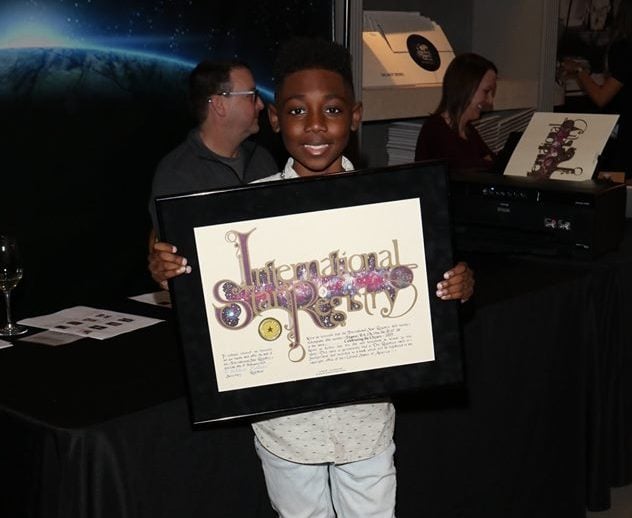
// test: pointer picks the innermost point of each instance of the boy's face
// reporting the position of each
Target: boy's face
(315, 112)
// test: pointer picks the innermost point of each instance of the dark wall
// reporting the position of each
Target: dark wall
(75, 188)
(82, 129)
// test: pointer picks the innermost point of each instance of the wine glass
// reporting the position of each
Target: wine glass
(10, 275)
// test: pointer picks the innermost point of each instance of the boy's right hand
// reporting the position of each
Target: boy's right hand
(164, 264)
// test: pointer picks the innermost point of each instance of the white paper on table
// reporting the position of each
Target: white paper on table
(157, 298)
(4, 344)
(52, 338)
(91, 322)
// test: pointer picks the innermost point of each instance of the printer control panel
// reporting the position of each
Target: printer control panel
(508, 193)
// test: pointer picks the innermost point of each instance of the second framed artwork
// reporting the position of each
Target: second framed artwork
(312, 292)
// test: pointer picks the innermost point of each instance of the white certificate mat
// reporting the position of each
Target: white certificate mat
(562, 146)
(355, 299)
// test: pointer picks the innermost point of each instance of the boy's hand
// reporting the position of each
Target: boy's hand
(164, 264)
(458, 283)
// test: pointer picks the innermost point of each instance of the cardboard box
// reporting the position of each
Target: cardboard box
(403, 49)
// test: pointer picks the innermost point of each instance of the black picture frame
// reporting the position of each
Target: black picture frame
(178, 217)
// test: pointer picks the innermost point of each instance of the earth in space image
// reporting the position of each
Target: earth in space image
(82, 131)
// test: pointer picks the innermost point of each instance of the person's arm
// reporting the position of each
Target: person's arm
(163, 263)
(602, 94)
(458, 283)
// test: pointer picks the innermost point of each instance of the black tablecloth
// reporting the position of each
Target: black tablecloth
(541, 428)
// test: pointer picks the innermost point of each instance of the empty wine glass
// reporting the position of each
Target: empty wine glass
(10, 274)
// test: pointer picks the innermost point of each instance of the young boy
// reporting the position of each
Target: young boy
(336, 461)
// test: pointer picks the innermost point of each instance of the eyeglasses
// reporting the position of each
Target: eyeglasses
(255, 94)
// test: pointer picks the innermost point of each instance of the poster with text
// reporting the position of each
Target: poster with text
(315, 291)
(562, 146)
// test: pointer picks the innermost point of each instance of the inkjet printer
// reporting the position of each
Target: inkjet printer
(512, 214)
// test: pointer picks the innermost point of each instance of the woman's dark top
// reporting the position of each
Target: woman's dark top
(438, 141)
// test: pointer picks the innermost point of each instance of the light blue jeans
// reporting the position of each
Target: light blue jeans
(362, 489)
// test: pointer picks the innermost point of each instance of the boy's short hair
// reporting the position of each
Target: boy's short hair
(208, 78)
(302, 53)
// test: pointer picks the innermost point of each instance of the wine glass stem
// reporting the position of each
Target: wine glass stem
(7, 299)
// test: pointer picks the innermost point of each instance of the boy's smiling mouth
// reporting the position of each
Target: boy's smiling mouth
(316, 149)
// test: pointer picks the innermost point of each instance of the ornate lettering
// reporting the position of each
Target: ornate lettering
(316, 287)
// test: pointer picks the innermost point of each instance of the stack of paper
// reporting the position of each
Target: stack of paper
(518, 121)
(494, 128)
(401, 142)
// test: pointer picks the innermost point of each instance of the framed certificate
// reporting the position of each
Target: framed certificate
(313, 291)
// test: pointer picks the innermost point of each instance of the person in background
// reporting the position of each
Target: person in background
(469, 87)
(215, 154)
(612, 93)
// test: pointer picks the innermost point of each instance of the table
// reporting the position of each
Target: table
(541, 428)
(101, 428)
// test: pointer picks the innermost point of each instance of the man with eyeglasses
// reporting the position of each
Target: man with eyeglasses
(215, 154)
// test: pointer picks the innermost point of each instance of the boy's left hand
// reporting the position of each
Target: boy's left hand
(458, 283)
